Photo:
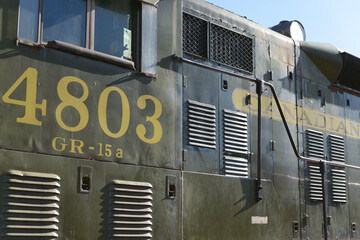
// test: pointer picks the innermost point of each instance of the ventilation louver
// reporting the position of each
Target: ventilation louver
(338, 175)
(194, 36)
(235, 143)
(31, 205)
(315, 149)
(231, 48)
(130, 210)
(201, 124)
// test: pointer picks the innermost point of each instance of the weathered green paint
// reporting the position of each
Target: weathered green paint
(207, 204)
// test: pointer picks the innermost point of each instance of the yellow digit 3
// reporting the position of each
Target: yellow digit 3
(140, 129)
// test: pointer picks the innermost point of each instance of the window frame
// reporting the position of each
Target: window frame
(137, 42)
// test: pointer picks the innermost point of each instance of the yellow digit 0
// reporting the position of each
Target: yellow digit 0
(67, 100)
(30, 104)
(140, 129)
(102, 112)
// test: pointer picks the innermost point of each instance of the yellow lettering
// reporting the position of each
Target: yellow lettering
(76, 144)
(140, 129)
(317, 124)
(354, 128)
(59, 141)
(30, 104)
(305, 118)
(102, 113)
(70, 101)
(119, 153)
(341, 128)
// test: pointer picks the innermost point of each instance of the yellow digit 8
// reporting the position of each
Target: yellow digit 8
(140, 129)
(70, 101)
(102, 113)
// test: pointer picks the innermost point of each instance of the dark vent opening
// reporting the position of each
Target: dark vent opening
(350, 72)
(194, 36)
(231, 48)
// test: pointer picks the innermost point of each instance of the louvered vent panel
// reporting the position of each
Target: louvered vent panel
(338, 185)
(31, 206)
(231, 48)
(235, 129)
(130, 210)
(337, 148)
(194, 36)
(338, 175)
(236, 167)
(201, 124)
(315, 149)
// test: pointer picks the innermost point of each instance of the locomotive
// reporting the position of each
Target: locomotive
(173, 119)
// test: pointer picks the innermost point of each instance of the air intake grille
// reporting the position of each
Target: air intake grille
(315, 149)
(231, 49)
(235, 132)
(338, 175)
(31, 203)
(194, 36)
(201, 124)
(130, 210)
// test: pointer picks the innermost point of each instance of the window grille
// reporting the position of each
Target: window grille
(194, 36)
(231, 48)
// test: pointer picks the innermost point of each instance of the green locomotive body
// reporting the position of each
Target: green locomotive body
(172, 119)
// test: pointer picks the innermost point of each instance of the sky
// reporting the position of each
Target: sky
(325, 21)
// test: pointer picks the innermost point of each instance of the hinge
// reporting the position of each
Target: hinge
(183, 155)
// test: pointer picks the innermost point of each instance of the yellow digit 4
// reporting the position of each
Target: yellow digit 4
(30, 104)
(140, 129)
(70, 101)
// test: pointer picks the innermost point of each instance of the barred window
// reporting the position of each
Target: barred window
(194, 36)
(215, 43)
(231, 48)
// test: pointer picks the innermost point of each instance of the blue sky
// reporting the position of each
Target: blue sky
(328, 21)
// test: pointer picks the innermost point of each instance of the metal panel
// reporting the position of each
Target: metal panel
(131, 210)
(315, 149)
(149, 39)
(32, 205)
(338, 175)
(201, 124)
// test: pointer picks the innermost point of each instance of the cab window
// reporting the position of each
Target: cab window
(105, 26)
(113, 31)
